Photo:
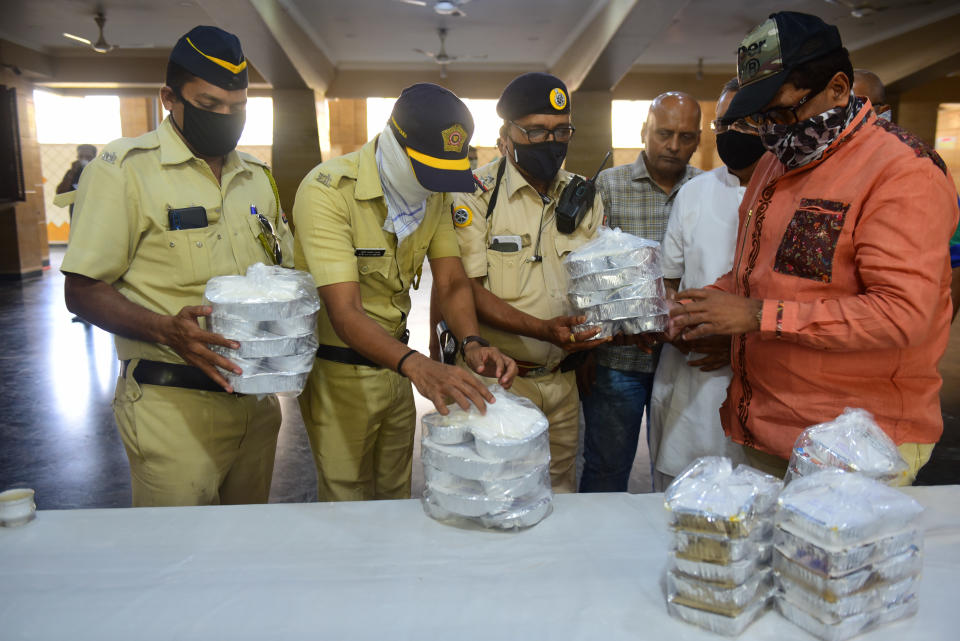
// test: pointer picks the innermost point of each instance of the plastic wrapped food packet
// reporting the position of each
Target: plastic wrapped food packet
(719, 548)
(852, 442)
(653, 288)
(836, 561)
(724, 574)
(490, 469)
(884, 595)
(833, 508)
(272, 313)
(850, 626)
(712, 496)
(613, 249)
(833, 588)
(729, 601)
(720, 623)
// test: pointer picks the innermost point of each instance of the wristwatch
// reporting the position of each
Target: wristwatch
(472, 339)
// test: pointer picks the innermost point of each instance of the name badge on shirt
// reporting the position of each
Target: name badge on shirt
(369, 252)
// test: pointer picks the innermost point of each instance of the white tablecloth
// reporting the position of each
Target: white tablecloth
(592, 570)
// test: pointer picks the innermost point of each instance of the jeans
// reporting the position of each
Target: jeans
(613, 413)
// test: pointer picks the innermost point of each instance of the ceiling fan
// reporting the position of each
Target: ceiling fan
(101, 45)
(859, 9)
(441, 8)
(441, 57)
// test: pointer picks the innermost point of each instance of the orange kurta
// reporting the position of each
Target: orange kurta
(849, 254)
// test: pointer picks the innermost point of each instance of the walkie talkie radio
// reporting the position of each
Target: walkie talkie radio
(576, 199)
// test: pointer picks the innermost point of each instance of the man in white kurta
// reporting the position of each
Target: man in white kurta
(688, 388)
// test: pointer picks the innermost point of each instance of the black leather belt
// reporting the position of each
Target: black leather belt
(171, 375)
(349, 356)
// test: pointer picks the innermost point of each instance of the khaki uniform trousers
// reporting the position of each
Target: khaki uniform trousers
(556, 396)
(361, 422)
(190, 447)
(916, 456)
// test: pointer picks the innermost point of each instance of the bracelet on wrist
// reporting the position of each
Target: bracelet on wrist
(402, 359)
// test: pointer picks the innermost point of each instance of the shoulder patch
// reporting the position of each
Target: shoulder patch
(462, 216)
(920, 148)
(109, 156)
(324, 178)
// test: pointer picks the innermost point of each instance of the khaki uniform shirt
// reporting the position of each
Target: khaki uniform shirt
(538, 288)
(339, 214)
(120, 232)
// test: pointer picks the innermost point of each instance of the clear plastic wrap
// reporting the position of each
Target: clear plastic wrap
(719, 548)
(652, 288)
(613, 278)
(265, 293)
(729, 574)
(625, 309)
(834, 508)
(613, 249)
(853, 442)
(508, 430)
(729, 601)
(831, 589)
(711, 496)
(719, 623)
(271, 312)
(885, 595)
(850, 626)
(511, 487)
(625, 326)
(463, 460)
(835, 561)
(518, 516)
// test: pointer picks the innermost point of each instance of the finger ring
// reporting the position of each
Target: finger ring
(573, 339)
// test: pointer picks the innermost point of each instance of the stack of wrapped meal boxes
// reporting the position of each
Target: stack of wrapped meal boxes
(490, 469)
(719, 573)
(847, 554)
(272, 313)
(616, 282)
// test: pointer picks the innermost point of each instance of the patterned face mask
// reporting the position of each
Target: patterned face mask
(805, 141)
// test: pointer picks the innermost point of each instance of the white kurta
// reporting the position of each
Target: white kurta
(698, 248)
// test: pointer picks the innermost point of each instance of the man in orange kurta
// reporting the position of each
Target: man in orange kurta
(839, 294)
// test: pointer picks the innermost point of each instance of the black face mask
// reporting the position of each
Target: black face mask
(542, 160)
(738, 150)
(210, 134)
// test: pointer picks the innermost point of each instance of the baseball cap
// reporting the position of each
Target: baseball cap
(214, 55)
(771, 51)
(533, 93)
(434, 127)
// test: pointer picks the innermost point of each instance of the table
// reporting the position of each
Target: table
(383, 570)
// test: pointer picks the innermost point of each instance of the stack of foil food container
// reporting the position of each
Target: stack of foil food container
(272, 313)
(719, 575)
(616, 281)
(847, 554)
(853, 442)
(490, 469)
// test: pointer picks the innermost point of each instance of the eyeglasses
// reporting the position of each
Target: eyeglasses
(741, 125)
(534, 135)
(268, 238)
(778, 115)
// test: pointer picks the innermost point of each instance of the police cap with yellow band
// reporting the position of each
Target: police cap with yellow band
(434, 127)
(533, 93)
(213, 55)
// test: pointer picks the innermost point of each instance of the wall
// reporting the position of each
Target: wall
(948, 138)
(23, 238)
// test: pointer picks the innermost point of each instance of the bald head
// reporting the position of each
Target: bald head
(866, 83)
(671, 135)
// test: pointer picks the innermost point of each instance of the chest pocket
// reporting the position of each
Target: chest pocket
(190, 251)
(810, 241)
(377, 267)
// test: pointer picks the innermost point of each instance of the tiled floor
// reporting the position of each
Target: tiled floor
(57, 433)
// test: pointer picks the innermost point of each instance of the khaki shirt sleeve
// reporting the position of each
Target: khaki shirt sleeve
(105, 225)
(472, 235)
(324, 231)
(444, 242)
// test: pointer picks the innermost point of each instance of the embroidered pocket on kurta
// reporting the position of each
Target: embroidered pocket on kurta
(807, 247)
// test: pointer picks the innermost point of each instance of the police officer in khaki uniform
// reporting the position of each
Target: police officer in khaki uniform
(512, 250)
(155, 218)
(364, 224)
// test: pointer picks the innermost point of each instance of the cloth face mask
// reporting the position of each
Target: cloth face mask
(406, 197)
(540, 160)
(210, 134)
(803, 142)
(738, 150)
